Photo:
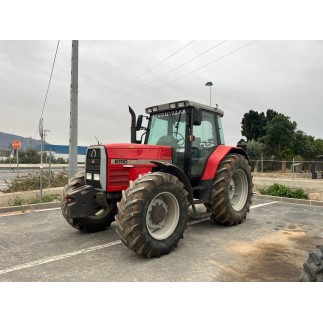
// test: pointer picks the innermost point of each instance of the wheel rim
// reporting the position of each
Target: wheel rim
(238, 190)
(162, 215)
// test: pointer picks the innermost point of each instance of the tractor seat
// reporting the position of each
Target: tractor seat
(196, 143)
(166, 141)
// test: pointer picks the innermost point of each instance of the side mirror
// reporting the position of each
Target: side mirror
(197, 117)
(139, 122)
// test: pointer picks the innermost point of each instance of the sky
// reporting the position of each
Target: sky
(286, 76)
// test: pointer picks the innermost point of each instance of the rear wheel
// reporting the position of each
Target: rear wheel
(231, 192)
(313, 267)
(152, 214)
(99, 220)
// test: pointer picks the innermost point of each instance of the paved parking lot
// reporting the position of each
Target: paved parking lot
(271, 245)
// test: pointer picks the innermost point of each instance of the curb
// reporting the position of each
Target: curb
(5, 198)
(29, 207)
(288, 200)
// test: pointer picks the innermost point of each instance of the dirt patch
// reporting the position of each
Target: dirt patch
(276, 257)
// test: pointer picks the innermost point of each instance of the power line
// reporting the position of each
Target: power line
(139, 76)
(176, 68)
(183, 76)
(50, 78)
(131, 81)
(232, 52)
(140, 88)
(194, 71)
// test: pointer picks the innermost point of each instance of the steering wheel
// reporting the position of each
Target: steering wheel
(181, 140)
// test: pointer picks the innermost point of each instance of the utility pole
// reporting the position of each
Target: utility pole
(72, 167)
(41, 133)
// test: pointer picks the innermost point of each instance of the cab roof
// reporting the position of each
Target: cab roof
(180, 105)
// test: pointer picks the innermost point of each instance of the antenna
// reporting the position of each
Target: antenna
(97, 140)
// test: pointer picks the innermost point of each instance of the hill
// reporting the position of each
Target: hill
(6, 140)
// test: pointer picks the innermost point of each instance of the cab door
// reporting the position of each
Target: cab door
(206, 140)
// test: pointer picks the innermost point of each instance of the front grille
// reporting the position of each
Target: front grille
(119, 177)
(93, 166)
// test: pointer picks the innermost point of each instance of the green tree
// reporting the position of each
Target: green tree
(279, 137)
(255, 149)
(32, 156)
(318, 147)
(252, 125)
(270, 115)
(303, 145)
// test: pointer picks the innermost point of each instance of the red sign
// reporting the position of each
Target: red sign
(16, 144)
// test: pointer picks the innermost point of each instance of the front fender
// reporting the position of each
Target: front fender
(176, 171)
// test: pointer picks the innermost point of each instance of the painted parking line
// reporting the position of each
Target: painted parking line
(264, 204)
(86, 250)
(59, 257)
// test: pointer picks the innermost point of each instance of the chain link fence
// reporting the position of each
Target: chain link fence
(287, 168)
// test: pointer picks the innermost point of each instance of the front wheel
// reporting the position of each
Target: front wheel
(101, 218)
(152, 214)
(231, 192)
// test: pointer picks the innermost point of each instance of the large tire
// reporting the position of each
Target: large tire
(313, 267)
(152, 214)
(231, 192)
(102, 218)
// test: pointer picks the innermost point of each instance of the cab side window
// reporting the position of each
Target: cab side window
(204, 143)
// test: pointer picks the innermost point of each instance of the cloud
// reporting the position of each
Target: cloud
(281, 75)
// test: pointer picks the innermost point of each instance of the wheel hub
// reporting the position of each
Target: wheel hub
(157, 213)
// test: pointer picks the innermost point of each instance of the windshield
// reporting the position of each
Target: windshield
(167, 129)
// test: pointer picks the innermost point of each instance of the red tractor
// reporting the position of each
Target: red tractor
(147, 188)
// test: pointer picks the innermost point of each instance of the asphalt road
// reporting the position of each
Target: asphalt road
(270, 245)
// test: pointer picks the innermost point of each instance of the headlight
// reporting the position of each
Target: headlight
(96, 177)
(88, 176)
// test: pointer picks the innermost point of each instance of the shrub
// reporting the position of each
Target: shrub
(284, 191)
(32, 182)
(16, 201)
(46, 198)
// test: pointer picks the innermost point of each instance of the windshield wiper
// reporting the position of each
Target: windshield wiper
(177, 124)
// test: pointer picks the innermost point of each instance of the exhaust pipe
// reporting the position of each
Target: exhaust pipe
(133, 138)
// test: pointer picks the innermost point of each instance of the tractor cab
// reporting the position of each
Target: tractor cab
(193, 130)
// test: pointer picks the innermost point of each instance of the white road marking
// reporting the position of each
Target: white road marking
(58, 257)
(259, 205)
(86, 250)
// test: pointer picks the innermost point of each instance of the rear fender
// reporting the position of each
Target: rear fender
(216, 157)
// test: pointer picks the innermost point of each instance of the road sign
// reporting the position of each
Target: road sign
(16, 144)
